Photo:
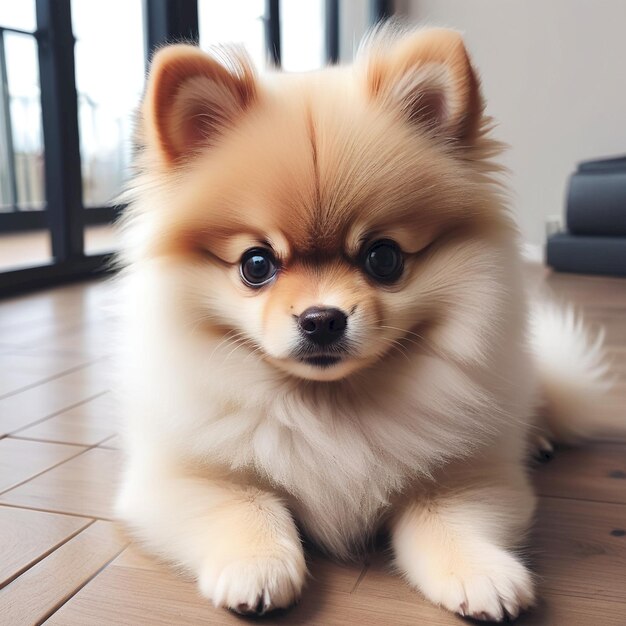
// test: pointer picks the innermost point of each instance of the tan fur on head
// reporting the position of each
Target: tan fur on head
(316, 170)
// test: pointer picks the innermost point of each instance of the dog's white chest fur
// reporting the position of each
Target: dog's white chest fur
(336, 452)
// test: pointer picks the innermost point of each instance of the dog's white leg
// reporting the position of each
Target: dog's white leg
(240, 542)
(456, 544)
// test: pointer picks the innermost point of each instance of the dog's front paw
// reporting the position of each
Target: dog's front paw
(255, 585)
(494, 588)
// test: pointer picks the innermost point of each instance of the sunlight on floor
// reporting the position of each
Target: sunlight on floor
(26, 249)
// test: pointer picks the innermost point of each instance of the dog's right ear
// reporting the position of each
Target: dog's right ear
(193, 97)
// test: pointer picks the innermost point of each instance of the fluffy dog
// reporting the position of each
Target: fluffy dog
(327, 330)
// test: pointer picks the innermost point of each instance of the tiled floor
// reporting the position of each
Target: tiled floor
(64, 561)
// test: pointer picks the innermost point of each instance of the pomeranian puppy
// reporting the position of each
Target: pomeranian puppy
(326, 328)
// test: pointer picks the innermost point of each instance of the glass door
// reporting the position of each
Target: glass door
(24, 231)
(109, 83)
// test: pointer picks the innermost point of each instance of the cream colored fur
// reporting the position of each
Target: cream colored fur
(233, 449)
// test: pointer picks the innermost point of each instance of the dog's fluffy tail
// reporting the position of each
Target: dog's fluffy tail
(573, 374)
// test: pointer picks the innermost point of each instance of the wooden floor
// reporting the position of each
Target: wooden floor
(64, 561)
(31, 248)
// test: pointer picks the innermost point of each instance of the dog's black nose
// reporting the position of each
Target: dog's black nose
(323, 326)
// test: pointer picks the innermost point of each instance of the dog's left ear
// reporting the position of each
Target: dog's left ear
(428, 77)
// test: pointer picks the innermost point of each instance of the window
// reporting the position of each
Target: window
(110, 70)
(22, 157)
(18, 15)
(21, 140)
(236, 21)
(302, 32)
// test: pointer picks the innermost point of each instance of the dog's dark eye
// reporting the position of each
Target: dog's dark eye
(383, 261)
(258, 267)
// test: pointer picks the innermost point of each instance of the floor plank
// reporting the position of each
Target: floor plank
(21, 369)
(84, 485)
(595, 472)
(135, 597)
(90, 340)
(579, 549)
(20, 460)
(570, 611)
(52, 397)
(588, 291)
(32, 316)
(26, 536)
(38, 592)
(114, 443)
(90, 423)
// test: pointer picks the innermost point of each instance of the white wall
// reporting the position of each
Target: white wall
(354, 21)
(554, 75)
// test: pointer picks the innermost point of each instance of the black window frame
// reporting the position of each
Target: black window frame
(64, 214)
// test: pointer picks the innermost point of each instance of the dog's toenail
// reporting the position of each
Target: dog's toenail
(543, 456)
(250, 609)
(260, 606)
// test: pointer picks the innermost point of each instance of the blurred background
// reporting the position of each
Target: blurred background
(72, 73)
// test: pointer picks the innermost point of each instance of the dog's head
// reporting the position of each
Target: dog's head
(327, 219)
